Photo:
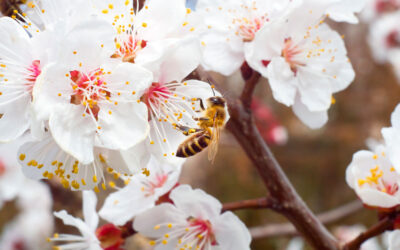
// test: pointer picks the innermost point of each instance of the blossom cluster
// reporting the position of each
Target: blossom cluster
(103, 90)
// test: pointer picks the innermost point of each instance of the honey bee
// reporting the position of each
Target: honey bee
(208, 132)
(8, 7)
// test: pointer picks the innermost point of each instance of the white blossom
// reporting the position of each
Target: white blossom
(91, 99)
(305, 62)
(374, 179)
(194, 221)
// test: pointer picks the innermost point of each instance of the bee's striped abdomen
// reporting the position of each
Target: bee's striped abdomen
(193, 145)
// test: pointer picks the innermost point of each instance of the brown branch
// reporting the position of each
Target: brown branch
(287, 229)
(242, 126)
(252, 78)
(377, 229)
(248, 204)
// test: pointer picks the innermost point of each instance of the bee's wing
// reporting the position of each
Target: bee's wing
(213, 147)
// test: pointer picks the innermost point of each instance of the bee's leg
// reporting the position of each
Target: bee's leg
(201, 104)
(201, 118)
(187, 130)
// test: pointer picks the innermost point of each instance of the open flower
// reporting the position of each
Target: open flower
(374, 179)
(142, 192)
(194, 221)
(87, 228)
(305, 62)
(143, 30)
(91, 99)
(232, 24)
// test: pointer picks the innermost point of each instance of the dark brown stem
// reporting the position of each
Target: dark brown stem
(247, 94)
(248, 204)
(287, 229)
(242, 126)
(377, 229)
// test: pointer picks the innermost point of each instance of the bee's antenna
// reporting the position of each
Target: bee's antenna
(212, 86)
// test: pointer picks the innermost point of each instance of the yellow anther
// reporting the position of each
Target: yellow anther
(94, 178)
(96, 189)
(156, 227)
(144, 25)
(22, 157)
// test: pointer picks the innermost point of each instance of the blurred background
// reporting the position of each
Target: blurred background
(314, 160)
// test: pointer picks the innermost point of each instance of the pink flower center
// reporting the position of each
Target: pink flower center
(89, 89)
(393, 39)
(248, 28)
(34, 72)
(289, 52)
(150, 186)
(157, 94)
(203, 229)
(3, 168)
(390, 189)
(128, 49)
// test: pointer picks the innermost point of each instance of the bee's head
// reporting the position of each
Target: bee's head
(216, 101)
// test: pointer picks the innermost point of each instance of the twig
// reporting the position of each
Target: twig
(242, 126)
(248, 90)
(248, 204)
(287, 229)
(377, 229)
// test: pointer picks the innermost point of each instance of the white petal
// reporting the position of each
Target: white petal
(73, 132)
(313, 120)
(375, 198)
(123, 205)
(72, 221)
(394, 240)
(162, 17)
(219, 56)
(89, 209)
(129, 77)
(196, 202)
(282, 81)
(124, 127)
(129, 161)
(159, 215)
(231, 233)
(179, 58)
(15, 119)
